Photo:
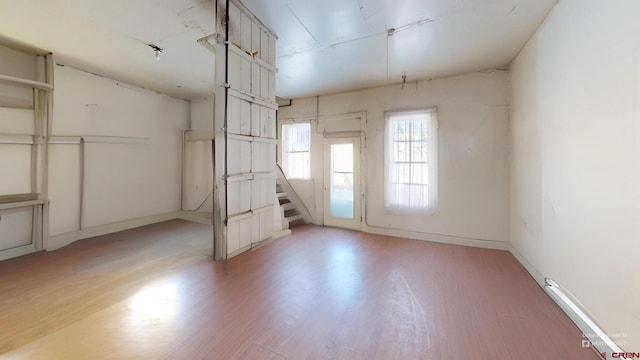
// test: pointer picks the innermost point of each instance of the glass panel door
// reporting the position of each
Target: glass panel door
(342, 182)
(341, 195)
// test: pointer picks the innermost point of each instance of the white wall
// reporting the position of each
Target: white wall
(21, 65)
(198, 180)
(121, 181)
(202, 114)
(473, 154)
(575, 192)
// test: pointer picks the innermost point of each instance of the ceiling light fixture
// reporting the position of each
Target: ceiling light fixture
(157, 50)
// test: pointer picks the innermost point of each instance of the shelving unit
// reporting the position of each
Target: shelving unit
(23, 149)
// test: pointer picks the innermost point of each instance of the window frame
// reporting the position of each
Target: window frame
(392, 207)
(284, 153)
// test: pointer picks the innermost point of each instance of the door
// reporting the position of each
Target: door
(342, 183)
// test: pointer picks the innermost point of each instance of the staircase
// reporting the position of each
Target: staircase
(291, 217)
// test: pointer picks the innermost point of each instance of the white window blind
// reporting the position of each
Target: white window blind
(295, 150)
(411, 145)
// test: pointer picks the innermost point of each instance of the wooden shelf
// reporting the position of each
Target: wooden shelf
(16, 198)
(25, 83)
(94, 139)
(16, 139)
(21, 204)
(116, 140)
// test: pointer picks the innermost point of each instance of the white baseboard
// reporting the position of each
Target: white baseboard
(58, 241)
(444, 239)
(535, 274)
(17, 251)
(276, 235)
(594, 335)
(238, 252)
(197, 217)
(281, 233)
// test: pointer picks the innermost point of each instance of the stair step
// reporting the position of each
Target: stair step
(284, 200)
(293, 218)
(281, 194)
(296, 222)
(290, 213)
(287, 206)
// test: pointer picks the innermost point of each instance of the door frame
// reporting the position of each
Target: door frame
(356, 222)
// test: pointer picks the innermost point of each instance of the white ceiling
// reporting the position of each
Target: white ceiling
(110, 37)
(335, 45)
(324, 45)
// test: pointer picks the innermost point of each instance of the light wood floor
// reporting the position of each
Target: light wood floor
(321, 293)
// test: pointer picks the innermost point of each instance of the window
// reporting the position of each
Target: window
(411, 145)
(295, 150)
